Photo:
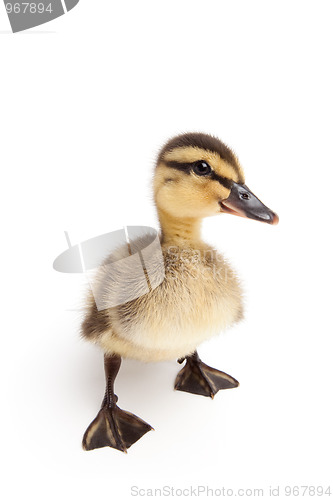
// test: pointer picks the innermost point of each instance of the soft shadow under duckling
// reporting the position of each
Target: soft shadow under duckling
(196, 176)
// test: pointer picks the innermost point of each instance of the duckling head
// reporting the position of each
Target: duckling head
(197, 176)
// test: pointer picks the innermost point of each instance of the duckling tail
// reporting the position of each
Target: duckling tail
(114, 427)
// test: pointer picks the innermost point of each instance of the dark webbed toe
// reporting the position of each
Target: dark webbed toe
(113, 426)
(116, 428)
(198, 378)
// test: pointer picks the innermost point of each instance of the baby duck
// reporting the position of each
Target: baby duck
(196, 176)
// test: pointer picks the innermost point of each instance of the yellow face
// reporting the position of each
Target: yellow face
(190, 182)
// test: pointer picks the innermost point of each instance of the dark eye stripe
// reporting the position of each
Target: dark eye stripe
(186, 168)
(222, 180)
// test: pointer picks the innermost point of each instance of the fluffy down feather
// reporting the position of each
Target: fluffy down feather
(199, 296)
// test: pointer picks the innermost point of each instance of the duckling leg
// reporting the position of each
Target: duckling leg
(198, 378)
(113, 427)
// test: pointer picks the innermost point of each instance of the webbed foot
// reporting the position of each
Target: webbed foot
(113, 426)
(198, 378)
(116, 428)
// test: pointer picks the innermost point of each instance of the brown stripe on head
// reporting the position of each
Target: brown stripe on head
(182, 144)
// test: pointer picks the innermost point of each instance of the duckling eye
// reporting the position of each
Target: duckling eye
(201, 168)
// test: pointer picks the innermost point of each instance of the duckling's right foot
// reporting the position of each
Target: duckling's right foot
(114, 427)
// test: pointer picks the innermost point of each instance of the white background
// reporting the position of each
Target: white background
(86, 102)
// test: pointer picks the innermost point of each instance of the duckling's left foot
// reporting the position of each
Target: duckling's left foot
(198, 378)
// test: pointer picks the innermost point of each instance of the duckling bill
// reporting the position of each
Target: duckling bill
(196, 176)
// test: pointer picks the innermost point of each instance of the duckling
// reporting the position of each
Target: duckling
(196, 176)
